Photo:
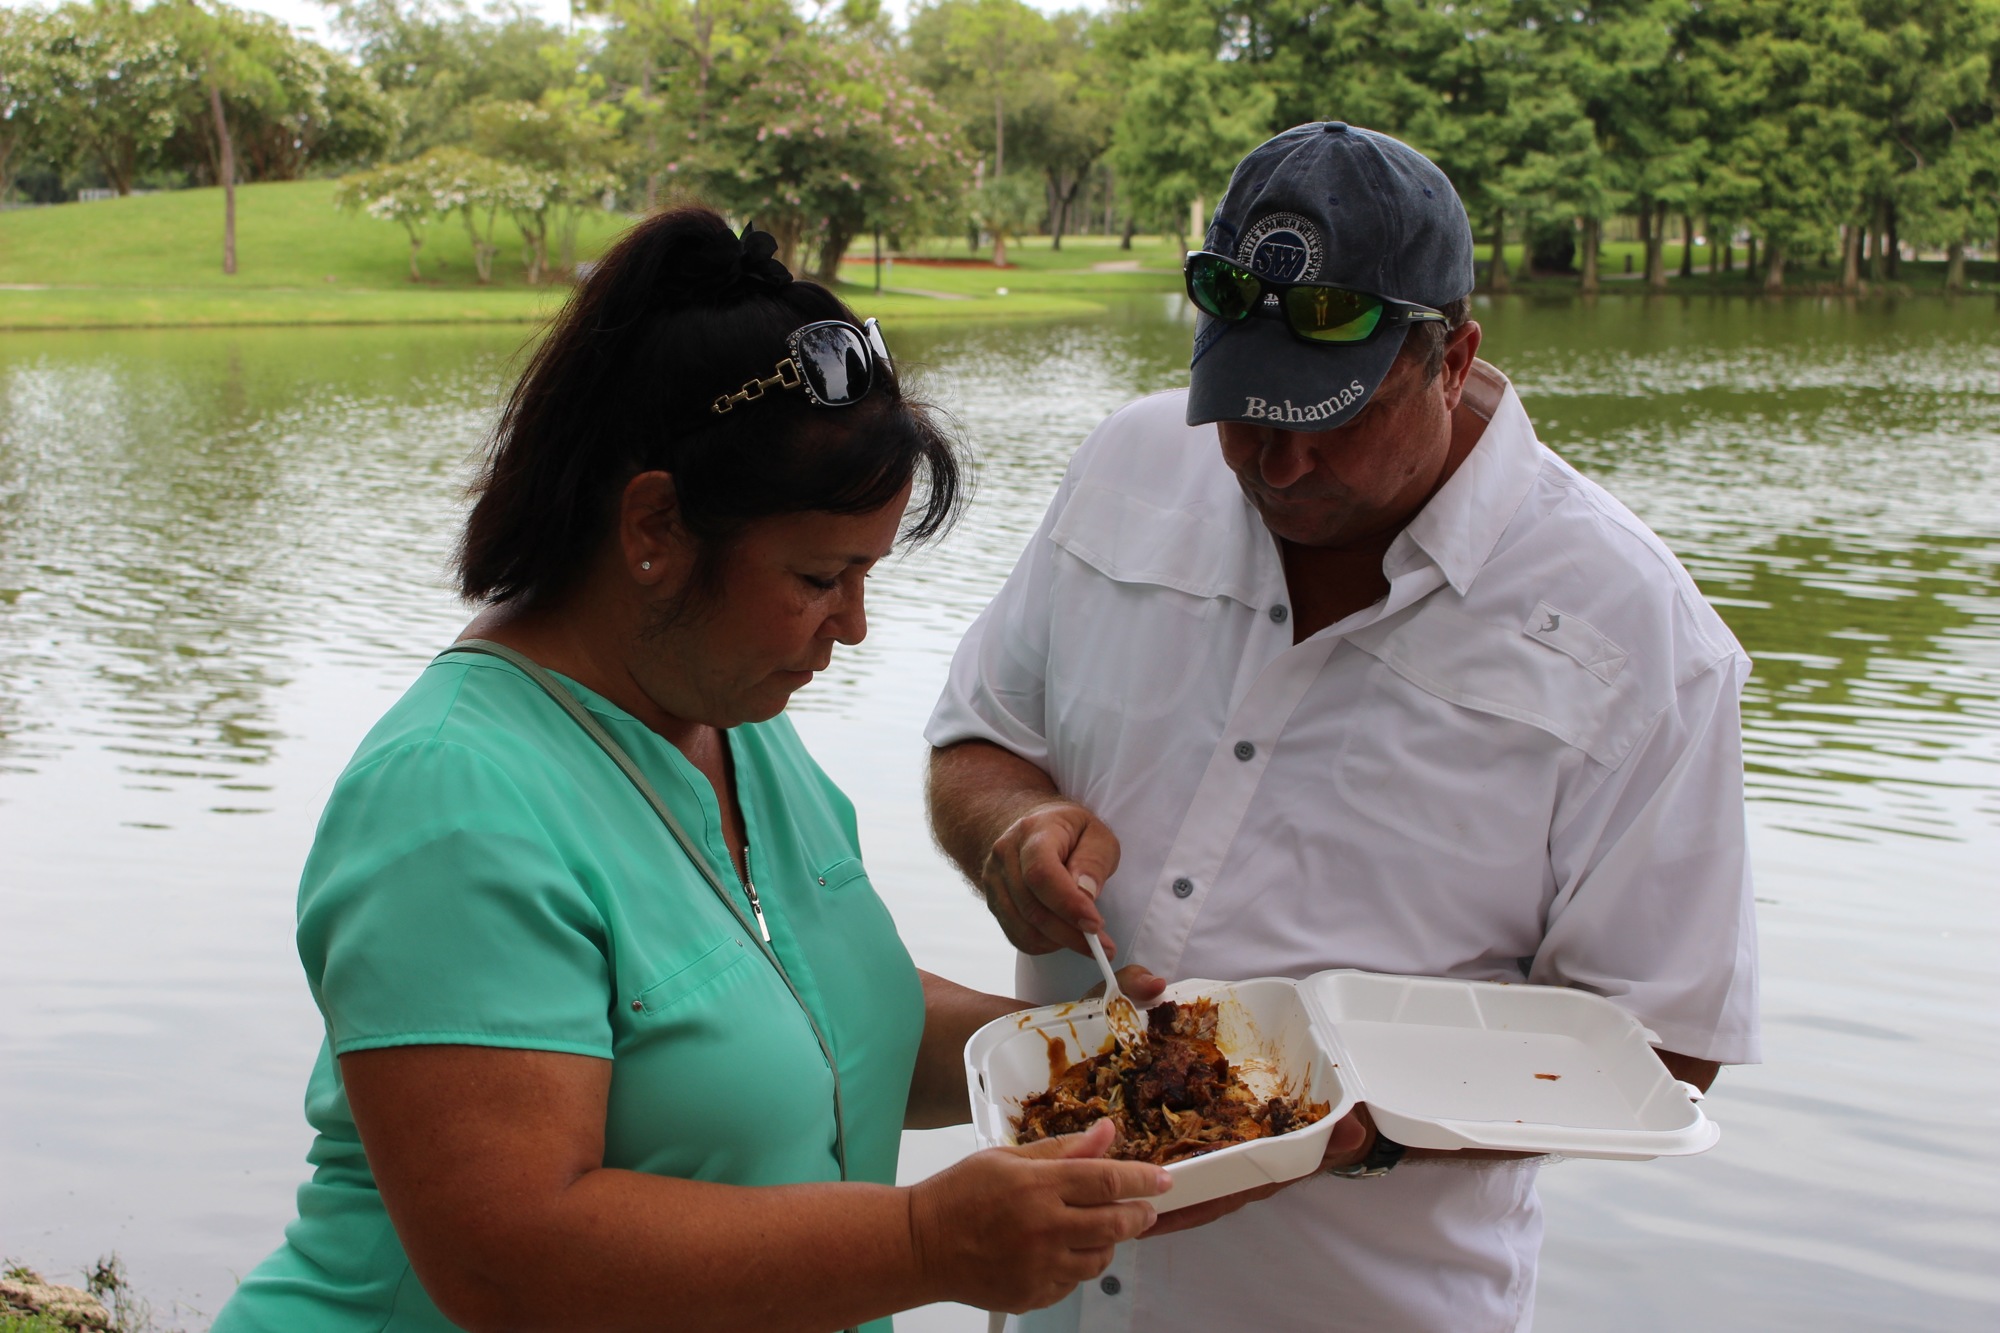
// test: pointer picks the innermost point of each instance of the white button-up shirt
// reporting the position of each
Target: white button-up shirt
(1522, 764)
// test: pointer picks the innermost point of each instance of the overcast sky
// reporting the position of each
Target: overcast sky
(312, 17)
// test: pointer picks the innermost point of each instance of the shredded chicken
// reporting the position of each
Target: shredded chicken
(1172, 1095)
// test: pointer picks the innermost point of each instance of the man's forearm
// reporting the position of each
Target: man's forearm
(976, 791)
(1036, 857)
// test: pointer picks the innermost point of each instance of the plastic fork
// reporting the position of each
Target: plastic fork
(1119, 1011)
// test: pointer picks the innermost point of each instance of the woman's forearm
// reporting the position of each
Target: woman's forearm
(489, 1162)
(952, 1013)
(620, 1250)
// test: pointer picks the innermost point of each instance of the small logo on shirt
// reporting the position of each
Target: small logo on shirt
(1283, 247)
(1555, 622)
(1259, 409)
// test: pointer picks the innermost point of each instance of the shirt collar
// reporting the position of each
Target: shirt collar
(1463, 522)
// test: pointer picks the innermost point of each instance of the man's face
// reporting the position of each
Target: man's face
(1365, 480)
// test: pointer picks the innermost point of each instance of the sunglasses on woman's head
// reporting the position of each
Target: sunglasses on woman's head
(833, 361)
(1314, 312)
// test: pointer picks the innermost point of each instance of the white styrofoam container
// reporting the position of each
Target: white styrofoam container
(1440, 1063)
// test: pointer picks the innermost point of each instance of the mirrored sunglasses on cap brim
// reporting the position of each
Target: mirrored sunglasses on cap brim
(1317, 313)
(834, 362)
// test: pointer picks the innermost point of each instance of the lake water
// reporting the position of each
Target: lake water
(222, 554)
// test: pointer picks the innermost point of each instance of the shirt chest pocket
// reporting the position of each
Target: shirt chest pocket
(1144, 591)
(843, 873)
(1500, 671)
(688, 978)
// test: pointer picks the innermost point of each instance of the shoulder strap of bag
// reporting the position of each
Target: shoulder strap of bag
(595, 730)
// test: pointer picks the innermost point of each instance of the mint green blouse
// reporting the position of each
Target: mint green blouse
(484, 875)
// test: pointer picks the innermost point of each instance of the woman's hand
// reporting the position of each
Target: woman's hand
(1016, 1228)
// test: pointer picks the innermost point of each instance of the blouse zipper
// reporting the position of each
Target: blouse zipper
(756, 903)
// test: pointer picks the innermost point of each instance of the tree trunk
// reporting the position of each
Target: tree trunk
(1954, 268)
(1774, 269)
(1528, 270)
(416, 244)
(1656, 248)
(652, 141)
(1125, 242)
(999, 249)
(786, 232)
(1750, 258)
(1687, 246)
(1496, 273)
(227, 170)
(1895, 246)
(1878, 268)
(1850, 258)
(1593, 232)
(831, 251)
(704, 37)
(999, 135)
(1729, 254)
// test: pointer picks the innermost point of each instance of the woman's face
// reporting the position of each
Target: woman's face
(790, 589)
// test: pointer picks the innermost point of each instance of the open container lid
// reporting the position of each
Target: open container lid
(1469, 1064)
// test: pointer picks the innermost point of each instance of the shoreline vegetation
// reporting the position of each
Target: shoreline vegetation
(148, 261)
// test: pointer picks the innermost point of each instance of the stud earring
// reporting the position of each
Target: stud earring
(645, 564)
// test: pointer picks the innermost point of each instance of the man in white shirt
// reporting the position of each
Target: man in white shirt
(1328, 662)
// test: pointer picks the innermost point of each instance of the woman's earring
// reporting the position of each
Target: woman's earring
(645, 564)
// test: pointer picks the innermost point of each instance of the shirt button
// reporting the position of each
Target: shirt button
(1245, 751)
(637, 1005)
(1278, 613)
(1183, 887)
(1110, 1285)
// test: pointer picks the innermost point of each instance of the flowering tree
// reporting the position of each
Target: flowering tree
(563, 146)
(830, 139)
(404, 193)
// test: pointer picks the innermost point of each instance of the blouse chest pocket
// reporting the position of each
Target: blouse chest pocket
(842, 874)
(690, 977)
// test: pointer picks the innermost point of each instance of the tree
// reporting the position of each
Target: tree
(674, 65)
(111, 86)
(565, 146)
(825, 143)
(1003, 207)
(982, 58)
(404, 193)
(479, 190)
(433, 59)
(24, 90)
(1187, 120)
(231, 58)
(1065, 122)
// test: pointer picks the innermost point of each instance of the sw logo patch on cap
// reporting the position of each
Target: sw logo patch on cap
(1283, 247)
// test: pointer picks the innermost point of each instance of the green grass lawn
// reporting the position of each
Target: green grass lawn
(288, 235)
(156, 261)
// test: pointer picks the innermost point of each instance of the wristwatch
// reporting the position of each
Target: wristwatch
(1382, 1154)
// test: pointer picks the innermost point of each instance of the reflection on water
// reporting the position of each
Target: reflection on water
(221, 554)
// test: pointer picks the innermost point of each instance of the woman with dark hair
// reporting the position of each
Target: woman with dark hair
(618, 1034)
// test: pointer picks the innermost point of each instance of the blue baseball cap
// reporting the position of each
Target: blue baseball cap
(1327, 202)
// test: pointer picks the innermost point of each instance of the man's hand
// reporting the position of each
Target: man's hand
(1042, 876)
(1037, 857)
(1353, 1134)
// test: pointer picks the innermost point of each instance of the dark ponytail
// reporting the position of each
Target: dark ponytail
(680, 310)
